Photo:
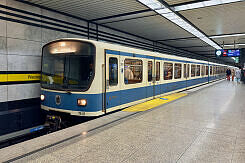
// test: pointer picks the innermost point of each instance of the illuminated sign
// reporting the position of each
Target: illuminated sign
(227, 53)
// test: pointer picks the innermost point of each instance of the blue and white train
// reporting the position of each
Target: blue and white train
(90, 78)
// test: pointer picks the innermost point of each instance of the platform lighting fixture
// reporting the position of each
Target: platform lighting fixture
(228, 35)
(173, 17)
(203, 4)
(233, 45)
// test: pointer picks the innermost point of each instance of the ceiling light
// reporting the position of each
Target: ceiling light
(235, 45)
(173, 17)
(204, 4)
(228, 35)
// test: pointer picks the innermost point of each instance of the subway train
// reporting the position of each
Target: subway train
(89, 78)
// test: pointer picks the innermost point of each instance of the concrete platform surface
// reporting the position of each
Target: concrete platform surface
(205, 126)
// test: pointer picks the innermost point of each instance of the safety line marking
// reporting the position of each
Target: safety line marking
(154, 103)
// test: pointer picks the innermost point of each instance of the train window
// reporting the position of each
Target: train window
(211, 70)
(198, 70)
(193, 70)
(185, 74)
(203, 70)
(206, 70)
(177, 70)
(133, 70)
(149, 71)
(188, 70)
(113, 71)
(157, 71)
(168, 71)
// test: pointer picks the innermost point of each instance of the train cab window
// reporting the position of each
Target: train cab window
(168, 71)
(193, 70)
(149, 71)
(206, 70)
(68, 65)
(113, 71)
(133, 70)
(198, 70)
(157, 71)
(203, 70)
(177, 70)
(188, 71)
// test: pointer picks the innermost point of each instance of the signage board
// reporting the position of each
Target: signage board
(227, 53)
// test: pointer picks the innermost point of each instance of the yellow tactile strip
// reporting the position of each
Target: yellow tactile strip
(154, 103)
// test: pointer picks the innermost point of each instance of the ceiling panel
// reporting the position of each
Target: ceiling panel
(216, 20)
(126, 17)
(154, 27)
(230, 40)
(186, 43)
(198, 48)
(175, 2)
(91, 9)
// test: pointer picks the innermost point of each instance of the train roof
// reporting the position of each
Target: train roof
(118, 47)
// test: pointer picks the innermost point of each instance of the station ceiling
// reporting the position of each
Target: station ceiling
(219, 20)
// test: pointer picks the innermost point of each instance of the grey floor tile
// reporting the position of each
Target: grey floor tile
(46, 159)
(238, 157)
(240, 145)
(214, 142)
(223, 129)
(200, 156)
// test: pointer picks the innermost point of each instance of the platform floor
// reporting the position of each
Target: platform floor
(205, 126)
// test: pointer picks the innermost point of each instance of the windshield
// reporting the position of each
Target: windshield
(68, 65)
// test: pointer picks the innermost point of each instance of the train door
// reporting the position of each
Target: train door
(186, 73)
(150, 89)
(112, 93)
(156, 79)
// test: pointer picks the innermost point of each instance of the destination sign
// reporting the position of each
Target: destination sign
(227, 53)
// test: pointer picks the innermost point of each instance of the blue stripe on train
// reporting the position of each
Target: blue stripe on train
(69, 101)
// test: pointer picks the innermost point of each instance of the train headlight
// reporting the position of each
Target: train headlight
(42, 97)
(81, 102)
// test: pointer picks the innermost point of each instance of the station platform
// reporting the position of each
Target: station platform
(204, 124)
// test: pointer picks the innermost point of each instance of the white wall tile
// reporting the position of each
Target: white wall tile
(23, 91)
(3, 2)
(3, 44)
(54, 15)
(23, 6)
(24, 63)
(50, 35)
(3, 62)
(3, 29)
(23, 47)
(22, 31)
(75, 36)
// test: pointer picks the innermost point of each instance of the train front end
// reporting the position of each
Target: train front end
(67, 74)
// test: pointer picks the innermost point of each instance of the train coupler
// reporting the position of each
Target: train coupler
(53, 123)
